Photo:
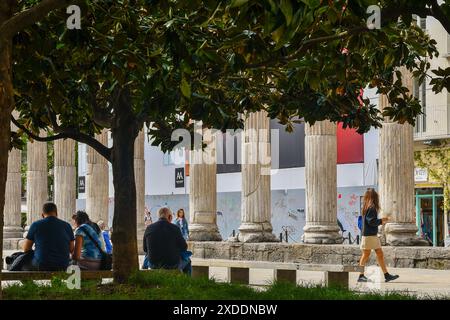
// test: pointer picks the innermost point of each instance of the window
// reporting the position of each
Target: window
(420, 92)
(423, 23)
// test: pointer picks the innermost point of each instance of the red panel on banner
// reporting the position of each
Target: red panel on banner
(350, 146)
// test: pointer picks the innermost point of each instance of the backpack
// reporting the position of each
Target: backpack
(360, 223)
(18, 260)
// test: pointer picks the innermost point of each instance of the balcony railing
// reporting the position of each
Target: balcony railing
(434, 124)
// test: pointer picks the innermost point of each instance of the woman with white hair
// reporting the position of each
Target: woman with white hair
(106, 236)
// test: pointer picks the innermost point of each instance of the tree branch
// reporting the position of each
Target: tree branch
(68, 134)
(32, 15)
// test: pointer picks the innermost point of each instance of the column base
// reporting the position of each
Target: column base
(15, 244)
(322, 234)
(12, 232)
(382, 235)
(140, 241)
(447, 242)
(256, 232)
(204, 232)
(403, 234)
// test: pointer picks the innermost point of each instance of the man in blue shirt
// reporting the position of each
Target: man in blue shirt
(53, 240)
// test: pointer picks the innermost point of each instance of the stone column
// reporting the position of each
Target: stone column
(256, 193)
(37, 180)
(13, 202)
(321, 184)
(97, 182)
(139, 173)
(65, 176)
(202, 190)
(396, 178)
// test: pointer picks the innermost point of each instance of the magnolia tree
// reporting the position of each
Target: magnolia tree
(166, 63)
(15, 15)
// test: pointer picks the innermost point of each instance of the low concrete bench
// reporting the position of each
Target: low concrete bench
(43, 275)
(239, 271)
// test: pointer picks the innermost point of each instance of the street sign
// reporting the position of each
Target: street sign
(82, 184)
(420, 175)
(179, 177)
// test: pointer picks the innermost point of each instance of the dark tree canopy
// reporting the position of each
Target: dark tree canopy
(211, 61)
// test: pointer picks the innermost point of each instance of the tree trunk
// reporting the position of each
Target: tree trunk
(6, 107)
(124, 234)
(124, 223)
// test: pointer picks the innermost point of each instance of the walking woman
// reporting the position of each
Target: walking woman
(370, 240)
(181, 222)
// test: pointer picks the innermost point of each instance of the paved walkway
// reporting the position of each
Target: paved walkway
(423, 282)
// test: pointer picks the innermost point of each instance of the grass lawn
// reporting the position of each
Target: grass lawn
(165, 285)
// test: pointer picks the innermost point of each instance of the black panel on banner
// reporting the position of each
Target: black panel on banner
(291, 147)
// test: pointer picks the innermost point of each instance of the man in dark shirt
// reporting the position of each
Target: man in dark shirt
(164, 244)
(53, 240)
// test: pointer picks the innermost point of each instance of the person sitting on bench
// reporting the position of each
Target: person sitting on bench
(53, 240)
(165, 246)
(88, 245)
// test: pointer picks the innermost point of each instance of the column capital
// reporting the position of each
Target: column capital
(321, 128)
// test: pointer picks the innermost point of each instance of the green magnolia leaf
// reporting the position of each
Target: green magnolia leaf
(278, 33)
(312, 3)
(185, 88)
(238, 3)
(286, 8)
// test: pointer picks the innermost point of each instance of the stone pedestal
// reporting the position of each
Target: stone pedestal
(256, 194)
(65, 176)
(139, 173)
(37, 180)
(12, 210)
(396, 179)
(321, 184)
(202, 194)
(97, 183)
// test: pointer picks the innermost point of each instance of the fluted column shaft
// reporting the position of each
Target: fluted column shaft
(139, 173)
(97, 182)
(12, 210)
(396, 177)
(202, 191)
(256, 210)
(321, 184)
(65, 176)
(37, 180)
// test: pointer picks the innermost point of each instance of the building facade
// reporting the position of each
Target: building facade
(432, 147)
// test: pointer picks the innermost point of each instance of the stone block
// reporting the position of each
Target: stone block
(200, 272)
(286, 276)
(336, 279)
(239, 275)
